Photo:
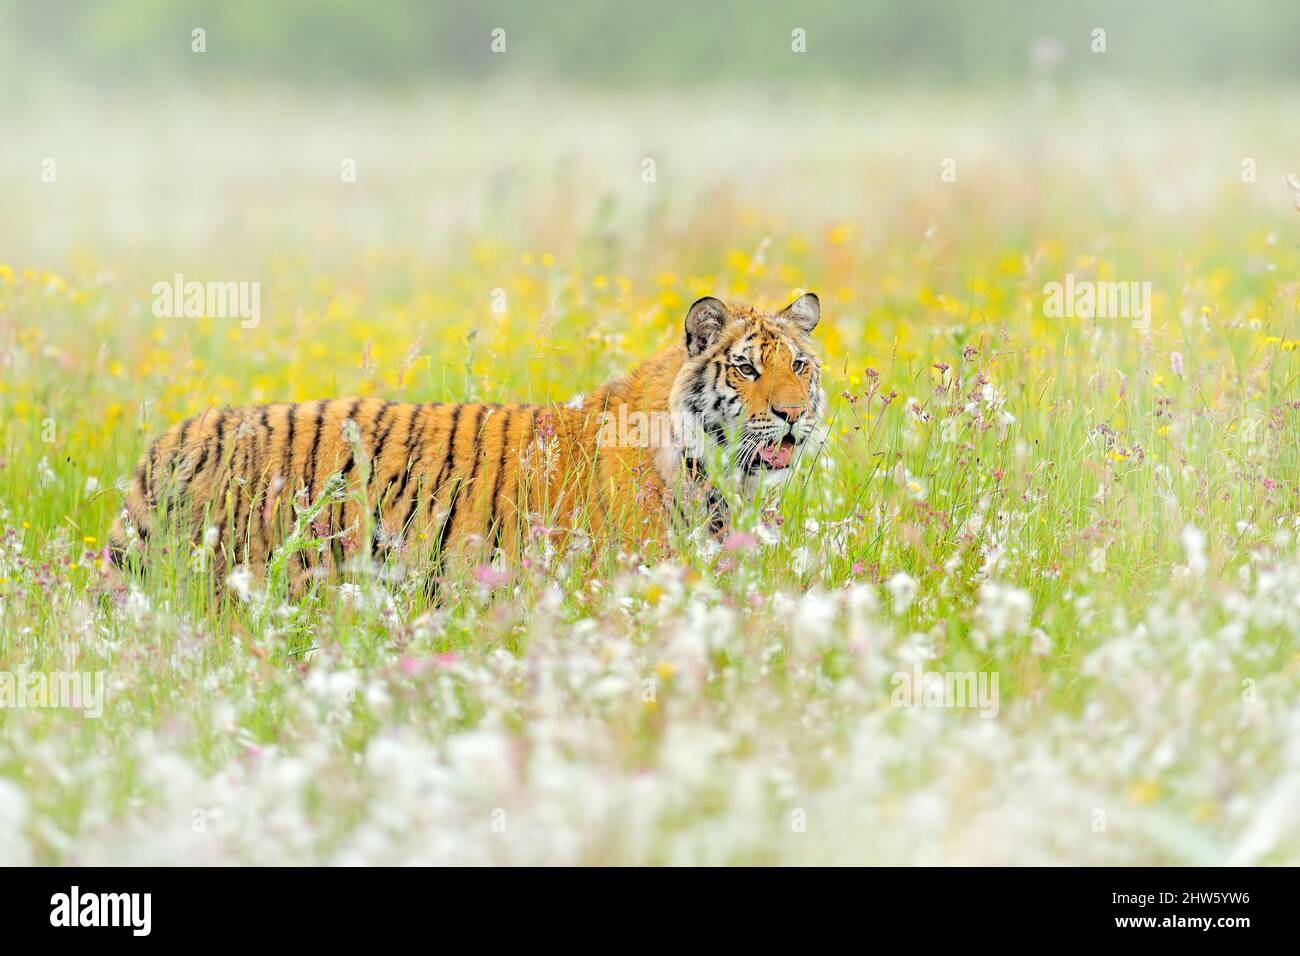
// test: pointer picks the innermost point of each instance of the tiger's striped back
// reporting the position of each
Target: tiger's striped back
(421, 477)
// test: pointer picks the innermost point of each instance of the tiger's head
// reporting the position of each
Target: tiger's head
(748, 394)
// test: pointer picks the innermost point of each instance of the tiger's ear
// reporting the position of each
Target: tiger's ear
(704, 322)
(805, 312)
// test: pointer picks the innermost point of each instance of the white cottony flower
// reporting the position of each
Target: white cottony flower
(210, 538)
(902, 589)
(240, 581)
(1193, 539)
(1005, 420)
(334, 688)
(1003, 609)
(92, 486)
(137, 605)
(706, 544)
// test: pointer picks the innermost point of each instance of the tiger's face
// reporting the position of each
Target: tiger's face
(749, 392)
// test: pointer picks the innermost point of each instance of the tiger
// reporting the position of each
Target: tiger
(739, 399)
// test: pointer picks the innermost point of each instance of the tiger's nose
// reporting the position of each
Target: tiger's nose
(790, 413)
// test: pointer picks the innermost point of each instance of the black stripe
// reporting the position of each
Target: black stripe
(286, 461)
(220, 447)
(383, 436)
(383, 495)
(178, 457)
(221, 438)
(468, 483)
(496, 485)
(239, 539)
(378, 450)
(182, 483)
(286, 464)
(321, 407)
(263, 460)
(336, 511)
(203, 457)
(251, 471)
(151, 471)
(478, 443)
(410, 468)
(352, 454)
(241, 448)
(208, 445)
(412, 435)
(376, 464)
(454, 496)
(375, 472)
(216, 464)
(446, 458)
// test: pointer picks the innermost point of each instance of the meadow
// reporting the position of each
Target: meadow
(1097, 515)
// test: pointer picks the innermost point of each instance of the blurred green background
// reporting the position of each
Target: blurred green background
(416, 44)
(167, 159)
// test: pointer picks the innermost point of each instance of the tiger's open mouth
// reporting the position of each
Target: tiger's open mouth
(775, 456)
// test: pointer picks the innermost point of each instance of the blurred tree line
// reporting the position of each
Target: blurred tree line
(414, 44)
